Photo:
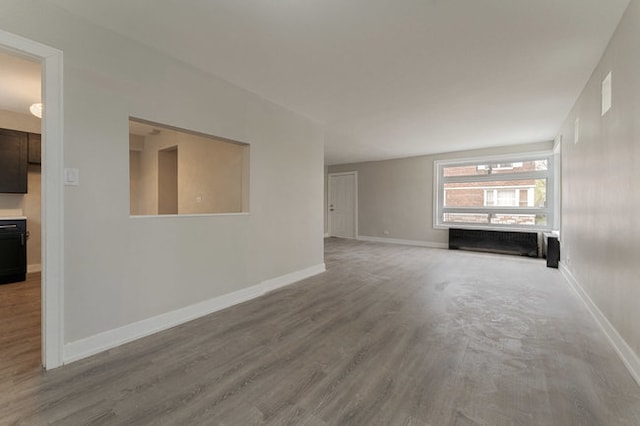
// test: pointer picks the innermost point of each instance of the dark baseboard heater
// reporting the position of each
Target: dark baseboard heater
(504, 242)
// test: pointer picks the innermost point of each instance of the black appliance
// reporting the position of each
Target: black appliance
(13, 250)
(553, 252)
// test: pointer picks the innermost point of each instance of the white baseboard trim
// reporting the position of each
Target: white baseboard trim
(36, 267)
(403, 242)
(293, 277)
(92, 345)
(627, 355)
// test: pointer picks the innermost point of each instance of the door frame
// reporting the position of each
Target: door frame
(52, 193)
(355, 201)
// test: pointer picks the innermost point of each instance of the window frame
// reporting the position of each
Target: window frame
(439, 191)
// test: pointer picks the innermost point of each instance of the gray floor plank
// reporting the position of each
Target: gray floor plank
(389, 335)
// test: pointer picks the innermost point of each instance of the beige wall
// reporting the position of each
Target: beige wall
(601, 185)
(30, 203)
(120, 270)
(33, 211)
(212, 174)
(168, 180)
(397, 195)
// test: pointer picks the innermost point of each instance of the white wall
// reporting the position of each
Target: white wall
(397, 195)
(601, 186)
(119, 270)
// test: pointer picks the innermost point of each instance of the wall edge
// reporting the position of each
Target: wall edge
(629, 358)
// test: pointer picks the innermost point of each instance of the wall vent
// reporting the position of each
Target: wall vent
(504, 242)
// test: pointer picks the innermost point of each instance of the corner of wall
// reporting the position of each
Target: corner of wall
(624, 351)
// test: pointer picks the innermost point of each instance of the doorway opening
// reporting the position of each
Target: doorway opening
(168, 180)
(50, 200)
(20, 212)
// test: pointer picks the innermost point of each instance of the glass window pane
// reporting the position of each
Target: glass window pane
(496, 219)
(507, 197)
(495, 168)
(489, 197)
(513, 219)
(523, 199)
(519, 219)
(473, 218)
(525, 193)
(540, 193)
(472, 170)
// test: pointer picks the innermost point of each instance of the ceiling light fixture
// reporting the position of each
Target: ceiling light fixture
(36, 109)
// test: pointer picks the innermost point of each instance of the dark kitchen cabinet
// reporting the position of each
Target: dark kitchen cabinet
(13, 161)
(13, 250)
(34, 148)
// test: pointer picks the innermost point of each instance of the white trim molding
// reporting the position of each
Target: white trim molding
(111, 338)
(291, 278)
(33, 268)
(52, 192)
(627, 355)
(403, 242)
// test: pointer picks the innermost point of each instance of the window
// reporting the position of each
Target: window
(499, 166)
(178, 172)
(508, 197)
(498, 192)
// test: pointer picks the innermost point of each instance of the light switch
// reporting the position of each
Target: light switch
(71, 177)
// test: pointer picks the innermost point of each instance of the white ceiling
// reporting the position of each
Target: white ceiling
(387, 78)
(19, 83)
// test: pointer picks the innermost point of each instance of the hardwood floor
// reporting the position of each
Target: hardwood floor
(390, 335)
(20, 330)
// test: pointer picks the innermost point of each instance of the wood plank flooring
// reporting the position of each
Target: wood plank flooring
(20, 327)
(389, 335)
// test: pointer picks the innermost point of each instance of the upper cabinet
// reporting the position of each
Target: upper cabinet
(13, 161)
(34, 148)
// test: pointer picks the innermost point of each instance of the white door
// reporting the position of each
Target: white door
(343, 207)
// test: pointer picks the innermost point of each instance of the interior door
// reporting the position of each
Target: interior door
(342, 205)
